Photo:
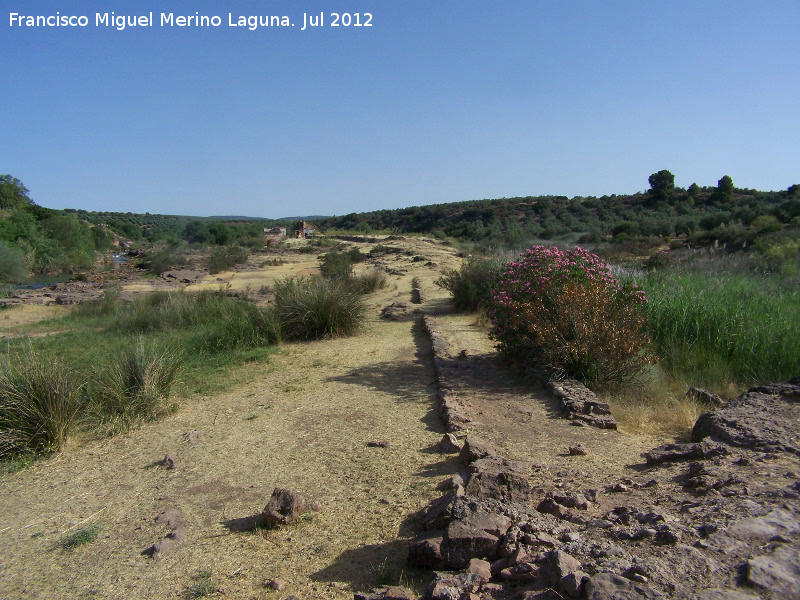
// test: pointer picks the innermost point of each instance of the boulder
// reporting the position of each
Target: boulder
(451, 586)
(562, 565)
(778, 573)
(284, 507)
(675, 452)
(610, 586)
(395, 311)
(450, 444)
(761, 529)
(704, 397)
(385, 593)
(476, 536)
(425, 551)
(475, 449)
(505, 480)
(763, 419)
(480, 567)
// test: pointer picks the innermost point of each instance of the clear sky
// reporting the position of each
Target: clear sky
(437, 101)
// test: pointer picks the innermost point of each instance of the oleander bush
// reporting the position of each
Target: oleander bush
(564, 311)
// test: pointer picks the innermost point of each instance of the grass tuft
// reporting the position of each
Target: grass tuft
(203, 585)
(134, 388)
(311, 308)
(84, 535)
(39, 401)
(369, 281)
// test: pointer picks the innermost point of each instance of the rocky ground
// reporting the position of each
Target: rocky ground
(712, 519)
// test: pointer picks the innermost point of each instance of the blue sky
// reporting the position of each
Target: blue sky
(438, 101)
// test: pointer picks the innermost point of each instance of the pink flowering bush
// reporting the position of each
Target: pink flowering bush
(565, 311)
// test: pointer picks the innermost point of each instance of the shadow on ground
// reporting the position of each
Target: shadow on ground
(402, 379)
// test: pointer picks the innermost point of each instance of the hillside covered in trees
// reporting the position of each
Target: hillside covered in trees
(35, 239)
(721, 212)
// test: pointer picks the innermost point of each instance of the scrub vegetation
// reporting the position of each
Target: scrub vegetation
(698, 287)
(127, 359)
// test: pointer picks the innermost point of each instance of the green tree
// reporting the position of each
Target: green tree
(724, 191)
(662, 187)
(197, 232)
(220, 233)
(12, 264)
(13, 194)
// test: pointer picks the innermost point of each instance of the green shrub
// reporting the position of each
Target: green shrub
(165, 259)
(310, 308)
(356, 256)
(39, 400)
(133, 388)
(272, 262)
(225, 258)
(12, 264)
(471, 285)
(336, 265)
(565, 312)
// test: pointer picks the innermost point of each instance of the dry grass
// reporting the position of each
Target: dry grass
(658, 406)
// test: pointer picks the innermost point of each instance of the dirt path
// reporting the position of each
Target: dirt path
(303, 424)
(521, 421)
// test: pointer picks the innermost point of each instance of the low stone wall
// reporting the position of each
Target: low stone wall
(579, 403)
(452, 409)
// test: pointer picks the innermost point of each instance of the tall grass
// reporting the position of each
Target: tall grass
(108, 303)
(39, 401)
(713, 328)
(310, 308)
(219, 322)
(134, 387)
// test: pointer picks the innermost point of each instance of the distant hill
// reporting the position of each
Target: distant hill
(703, 214)
(311, 218)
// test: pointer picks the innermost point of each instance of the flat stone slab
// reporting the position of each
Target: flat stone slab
(757, 420)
